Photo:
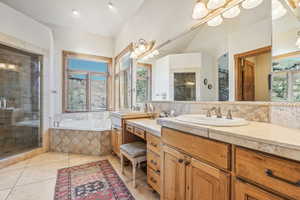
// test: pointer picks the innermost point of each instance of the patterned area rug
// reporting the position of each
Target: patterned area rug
(91, 181)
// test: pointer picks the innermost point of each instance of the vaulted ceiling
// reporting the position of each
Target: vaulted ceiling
(95, 16)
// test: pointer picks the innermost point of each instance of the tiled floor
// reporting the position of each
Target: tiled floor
(35, 179)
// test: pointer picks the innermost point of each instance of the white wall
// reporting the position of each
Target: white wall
(157, 20)
(79, 42)
(22, 32)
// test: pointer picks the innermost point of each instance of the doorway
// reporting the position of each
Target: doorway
(252, 73)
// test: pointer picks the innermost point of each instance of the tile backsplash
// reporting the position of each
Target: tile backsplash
(284, 114)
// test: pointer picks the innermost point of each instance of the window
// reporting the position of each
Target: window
(286, 77)
(86, 82)
(143, 82)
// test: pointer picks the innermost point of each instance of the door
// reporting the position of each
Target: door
(205, 182)
(173, 174)
(245, 191)
(248, 81)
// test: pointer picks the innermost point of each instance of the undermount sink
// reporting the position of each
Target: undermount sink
(212, 121)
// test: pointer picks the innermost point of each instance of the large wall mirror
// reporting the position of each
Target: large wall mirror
(227, 60)
(286, 51)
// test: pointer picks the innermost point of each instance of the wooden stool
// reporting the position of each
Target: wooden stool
(136, 153)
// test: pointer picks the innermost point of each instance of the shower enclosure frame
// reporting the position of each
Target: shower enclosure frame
(40, 57)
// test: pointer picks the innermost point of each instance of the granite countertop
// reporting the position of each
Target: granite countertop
(129, 114)
(150, 125)
(265, 137)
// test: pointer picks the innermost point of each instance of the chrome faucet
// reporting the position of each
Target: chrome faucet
(229, 114)
(217, 111)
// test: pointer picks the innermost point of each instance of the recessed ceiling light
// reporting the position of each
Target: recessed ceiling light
(75, 13)
(110, 5)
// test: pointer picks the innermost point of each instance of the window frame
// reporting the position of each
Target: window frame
(67, 55)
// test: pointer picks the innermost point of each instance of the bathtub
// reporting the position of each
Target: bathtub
(92, 124)
(82, 133)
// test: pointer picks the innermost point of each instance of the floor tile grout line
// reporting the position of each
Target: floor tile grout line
(15, 184)
(35, 182)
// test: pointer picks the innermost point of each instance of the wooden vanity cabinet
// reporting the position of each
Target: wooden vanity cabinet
(246, 191)
(173, 178)
(206, 182)
(186, 178)
(116, 140)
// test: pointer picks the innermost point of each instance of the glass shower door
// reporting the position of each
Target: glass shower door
(20, 104)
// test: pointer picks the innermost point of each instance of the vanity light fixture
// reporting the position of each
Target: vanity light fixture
(141, 47)
(232, 12)
(216, 21)
(278, 10)
(249, 4)
(199, 10)
(214, 4)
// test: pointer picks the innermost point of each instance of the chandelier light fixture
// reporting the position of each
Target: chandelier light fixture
(141, 47)
(212, 12)
(199, 10)
(249, 4)
(214, 4)
(278, 11)
(215, 21)
(232, 12)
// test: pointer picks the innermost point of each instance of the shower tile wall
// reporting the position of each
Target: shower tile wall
(20, 86)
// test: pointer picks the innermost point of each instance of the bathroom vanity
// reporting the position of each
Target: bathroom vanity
(187, 161)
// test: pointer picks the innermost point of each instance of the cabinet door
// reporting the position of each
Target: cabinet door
(205, 182)
(172, 174)
(116, 141)
(245, 191)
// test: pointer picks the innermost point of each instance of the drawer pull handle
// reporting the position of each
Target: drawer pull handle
(270, 174)
(180, 160)
(187, 163)
(153, 180)
(153, 162)
(157, 171)
(155, 145)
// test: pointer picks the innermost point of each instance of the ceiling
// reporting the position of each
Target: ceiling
(95, 16)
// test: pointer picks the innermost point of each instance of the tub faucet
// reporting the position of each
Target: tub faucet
(217, 111)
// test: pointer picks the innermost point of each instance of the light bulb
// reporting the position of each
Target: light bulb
(2, 66)
(199, 11)
(249, 4)
(214, 4)
(142, 47)
(215, 21)
(11, 66)
(232, 12)
(156, 52)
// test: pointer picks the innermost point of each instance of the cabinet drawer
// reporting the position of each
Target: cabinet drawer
(140, 133)
(153, 161)
(278, 174)
(214, 152)
(153, 179)
(129, 128)
(153, 143)
(247, 191)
